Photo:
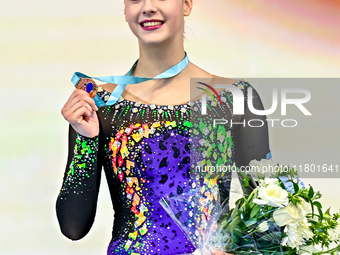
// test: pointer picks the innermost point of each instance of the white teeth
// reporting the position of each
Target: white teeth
(150, 24)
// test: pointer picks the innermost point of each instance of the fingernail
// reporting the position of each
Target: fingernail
(213, 251)
(96, 108)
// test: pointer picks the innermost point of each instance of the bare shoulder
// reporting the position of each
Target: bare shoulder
(204, 74)
(221, 80)
(225, 80)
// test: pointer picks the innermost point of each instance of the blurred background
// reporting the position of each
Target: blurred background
(42, 43)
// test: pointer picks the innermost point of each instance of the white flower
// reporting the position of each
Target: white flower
(270, 193)
(307, 250)
(259, 169)
(304, 207)
(304, 229)
(287, 215)
(297, 226)
(294, 238)
(264, 226)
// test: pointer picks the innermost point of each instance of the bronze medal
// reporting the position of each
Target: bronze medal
(88, 85)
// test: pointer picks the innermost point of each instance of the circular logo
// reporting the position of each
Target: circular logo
(88, 85)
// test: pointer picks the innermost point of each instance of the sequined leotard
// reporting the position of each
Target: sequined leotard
(145, 153)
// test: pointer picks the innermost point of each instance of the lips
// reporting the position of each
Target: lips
(151, 24)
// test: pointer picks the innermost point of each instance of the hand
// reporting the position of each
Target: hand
(216, 252)
(80, 111)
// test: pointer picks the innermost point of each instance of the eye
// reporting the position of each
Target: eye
(134, 1)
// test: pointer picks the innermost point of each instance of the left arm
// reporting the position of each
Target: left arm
(251, 142)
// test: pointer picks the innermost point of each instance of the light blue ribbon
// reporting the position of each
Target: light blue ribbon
(122, 81)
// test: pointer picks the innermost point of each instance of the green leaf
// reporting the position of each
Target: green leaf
(317, 195)
(320, 212)
(233, 223)
(237, 231)
(317, 204)
(311, 204)
(296, 187)
(235, 238)
(311, 192)
(246, 209)
(223, 221)
(242, 225)
(255, 211)
(250, 222)
(246, 182)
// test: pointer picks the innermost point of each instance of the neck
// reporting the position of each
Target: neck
(154, 60)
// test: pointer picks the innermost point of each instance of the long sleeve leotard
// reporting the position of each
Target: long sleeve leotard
(145, 153)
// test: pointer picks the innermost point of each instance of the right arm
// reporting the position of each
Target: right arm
(77, 201)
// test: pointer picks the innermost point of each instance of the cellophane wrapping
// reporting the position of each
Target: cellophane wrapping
(210, 224)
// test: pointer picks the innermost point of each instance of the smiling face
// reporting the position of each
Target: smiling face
(157, 21)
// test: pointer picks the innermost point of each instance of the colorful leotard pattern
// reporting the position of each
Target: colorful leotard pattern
(147, 152)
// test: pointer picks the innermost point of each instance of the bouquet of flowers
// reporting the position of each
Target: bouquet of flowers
(280, 216)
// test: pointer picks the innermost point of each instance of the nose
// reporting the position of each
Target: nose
(149, 7)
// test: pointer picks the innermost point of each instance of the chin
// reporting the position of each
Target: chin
(153, 42)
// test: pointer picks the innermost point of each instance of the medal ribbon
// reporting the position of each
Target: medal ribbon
(122, 81)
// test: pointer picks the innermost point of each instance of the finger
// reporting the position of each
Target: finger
(65, 111)
(70, 114)
(82, 95)
(79, 105)
(80, 115)
(79, 95)
(92, 116)
(88, 115)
